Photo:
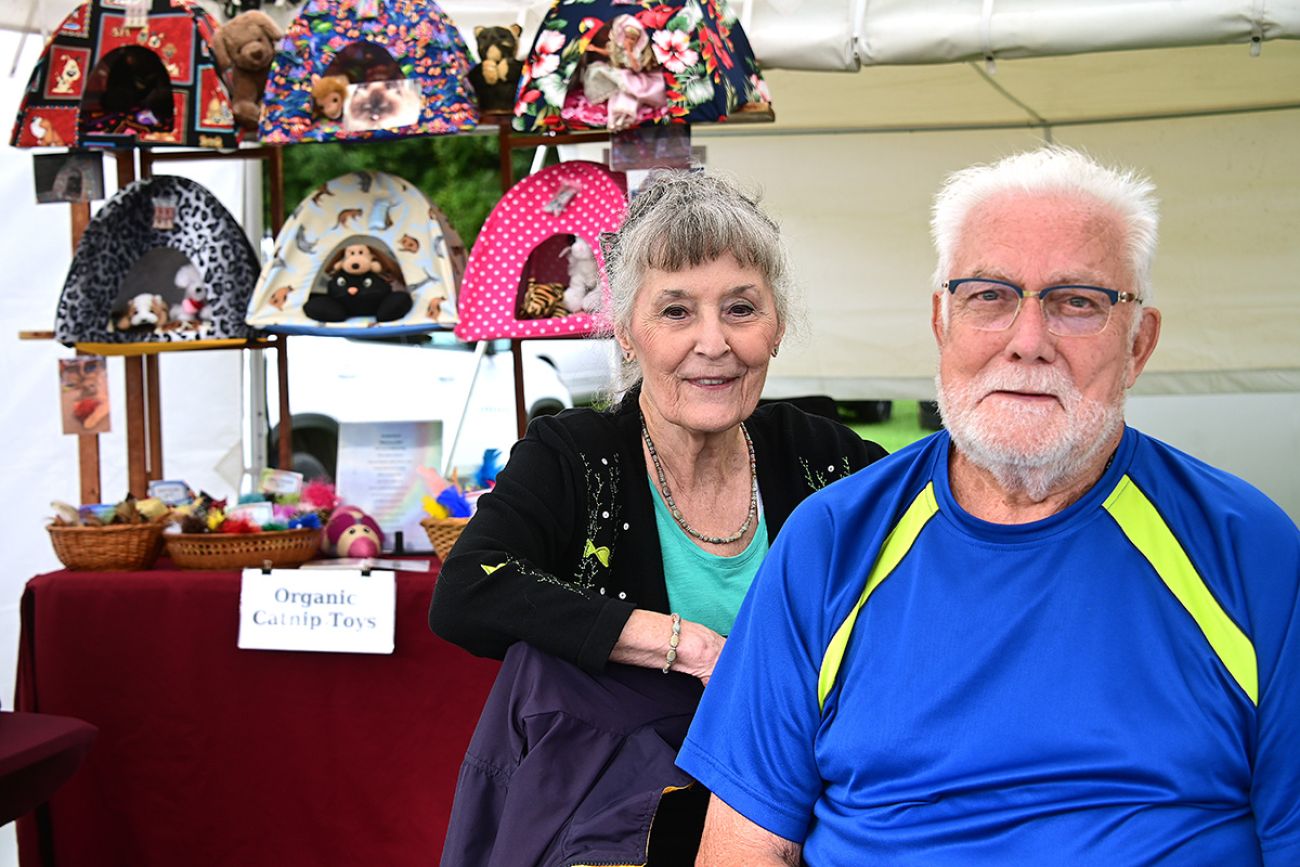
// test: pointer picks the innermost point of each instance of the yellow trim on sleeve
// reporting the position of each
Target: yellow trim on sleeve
(1149, 533)
(896, 546)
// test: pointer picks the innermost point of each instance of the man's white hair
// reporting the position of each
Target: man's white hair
(1048, 170)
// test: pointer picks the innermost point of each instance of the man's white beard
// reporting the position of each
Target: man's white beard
(1032, 448)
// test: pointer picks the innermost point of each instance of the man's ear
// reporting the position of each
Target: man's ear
(1143, 344)
(936, 319)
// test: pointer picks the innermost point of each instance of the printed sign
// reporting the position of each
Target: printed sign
(333, 612)
(380, 472)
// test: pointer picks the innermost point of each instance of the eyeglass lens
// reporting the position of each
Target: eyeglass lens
(1069, 311)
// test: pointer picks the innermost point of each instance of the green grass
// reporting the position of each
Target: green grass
(903, 427)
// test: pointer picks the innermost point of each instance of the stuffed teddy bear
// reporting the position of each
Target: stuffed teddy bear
(244, 47)
(358, 285)
(328, 93)
(583, 292)
(496, 76)
(629, 81)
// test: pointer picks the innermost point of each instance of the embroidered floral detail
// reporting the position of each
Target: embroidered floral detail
(818, 479)
(488, 570)
(602, 519)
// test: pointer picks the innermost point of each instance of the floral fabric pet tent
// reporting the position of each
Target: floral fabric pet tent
(370, 232)
(162, 262)
(102, 81)
(599, 64)
(403, 59)
(523, 239)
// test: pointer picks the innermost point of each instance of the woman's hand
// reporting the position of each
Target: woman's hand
(644, 642)
(697, 650)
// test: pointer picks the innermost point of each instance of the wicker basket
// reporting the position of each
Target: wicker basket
(443, 533)
(115, 547)
(282, 548)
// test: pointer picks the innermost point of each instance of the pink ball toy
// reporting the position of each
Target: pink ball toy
(350, 532)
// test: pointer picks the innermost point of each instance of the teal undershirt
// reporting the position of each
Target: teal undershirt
(702, 587)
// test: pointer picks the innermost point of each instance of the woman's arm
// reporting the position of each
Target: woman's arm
(519, 571)
(731, 840)
(644, 642)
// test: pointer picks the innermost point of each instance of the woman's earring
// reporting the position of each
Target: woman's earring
(775, 350)
(627, 355)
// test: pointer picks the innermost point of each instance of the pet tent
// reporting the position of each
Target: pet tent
(523, 239)
(683, 63)
(162, 262)
(304, 289)
(404, 61)
(103, 82)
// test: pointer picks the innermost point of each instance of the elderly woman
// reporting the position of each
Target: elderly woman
(613, 554)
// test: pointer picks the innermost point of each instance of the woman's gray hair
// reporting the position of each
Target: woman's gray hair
(678, 220)
(1051, 169)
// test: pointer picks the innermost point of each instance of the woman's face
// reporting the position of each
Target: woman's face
(703, 337)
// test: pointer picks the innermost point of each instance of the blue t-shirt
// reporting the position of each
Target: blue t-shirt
(1044, 693)
(704, 587)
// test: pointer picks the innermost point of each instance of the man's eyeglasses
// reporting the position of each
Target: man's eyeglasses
(1071, 310)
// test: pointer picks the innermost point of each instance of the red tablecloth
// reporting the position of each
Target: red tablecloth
(211, 755)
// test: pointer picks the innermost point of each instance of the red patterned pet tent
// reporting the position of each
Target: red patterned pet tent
(520, 258)
(105, 80)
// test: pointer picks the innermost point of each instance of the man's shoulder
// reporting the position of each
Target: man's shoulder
(1174, 479)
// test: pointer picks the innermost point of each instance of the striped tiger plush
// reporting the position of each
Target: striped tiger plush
(542, 301)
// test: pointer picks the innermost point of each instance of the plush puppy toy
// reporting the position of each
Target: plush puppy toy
(358, 285)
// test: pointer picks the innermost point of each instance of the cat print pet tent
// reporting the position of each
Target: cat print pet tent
(609, 64)
(523, 243)
(162, 262)
(108, 80)
(365, 255)
(380, 68)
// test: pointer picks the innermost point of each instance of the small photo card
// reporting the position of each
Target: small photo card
(260, 513)
(273, 481)
(83, 395)
(651, 147)
(382, 105)
(75, 176)
(173, 492)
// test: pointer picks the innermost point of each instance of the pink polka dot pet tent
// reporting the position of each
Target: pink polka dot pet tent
(525, 238)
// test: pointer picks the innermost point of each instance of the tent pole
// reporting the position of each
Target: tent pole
(479, 349)
(87, 444)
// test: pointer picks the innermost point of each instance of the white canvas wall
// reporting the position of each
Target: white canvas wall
(200, 390)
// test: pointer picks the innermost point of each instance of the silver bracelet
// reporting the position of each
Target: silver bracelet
(673, 640)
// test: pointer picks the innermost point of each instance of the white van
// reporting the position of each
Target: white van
(427, 377)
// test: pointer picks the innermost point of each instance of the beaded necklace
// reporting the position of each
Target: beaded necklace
(672, 506)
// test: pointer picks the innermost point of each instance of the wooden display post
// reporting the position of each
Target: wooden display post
(507, 142)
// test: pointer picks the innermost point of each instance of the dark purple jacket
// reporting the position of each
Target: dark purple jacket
(569, 768)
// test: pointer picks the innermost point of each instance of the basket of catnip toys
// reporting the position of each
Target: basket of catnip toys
(278, 526)
(449, 506)
(103, 537)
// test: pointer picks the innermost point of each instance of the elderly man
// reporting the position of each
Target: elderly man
(1040, 637)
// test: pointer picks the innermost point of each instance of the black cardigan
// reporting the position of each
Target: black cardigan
(565, 546)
